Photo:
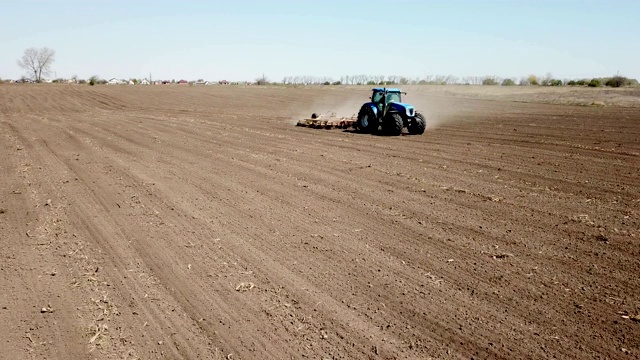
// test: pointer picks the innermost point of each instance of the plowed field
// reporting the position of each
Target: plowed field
(199, 223)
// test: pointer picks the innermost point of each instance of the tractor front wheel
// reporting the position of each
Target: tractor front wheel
(392, 124)
(367, 120)
(418, 125)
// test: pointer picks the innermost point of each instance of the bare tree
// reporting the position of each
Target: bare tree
(451, 80)
(262, 80)
(37, 62)
(440, 80)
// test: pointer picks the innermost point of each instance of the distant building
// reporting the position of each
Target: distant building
(183, 82)
(114, 81)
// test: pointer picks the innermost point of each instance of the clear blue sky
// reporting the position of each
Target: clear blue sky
(239, 40)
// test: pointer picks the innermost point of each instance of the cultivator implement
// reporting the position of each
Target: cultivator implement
(330, 121)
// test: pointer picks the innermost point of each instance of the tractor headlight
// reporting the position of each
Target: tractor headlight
(410, 111)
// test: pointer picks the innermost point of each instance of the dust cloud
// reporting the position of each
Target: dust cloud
(340, 103)
(438, 112)
(438, 108)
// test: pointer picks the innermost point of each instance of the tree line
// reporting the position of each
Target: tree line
(37, 63)
(531, 80)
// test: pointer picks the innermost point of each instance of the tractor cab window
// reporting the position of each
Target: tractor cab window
(377, 97)
(391, 96)
(395, 97)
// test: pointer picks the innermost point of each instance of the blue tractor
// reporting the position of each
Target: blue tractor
(388, 113)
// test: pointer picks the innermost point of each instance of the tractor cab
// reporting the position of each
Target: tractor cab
(390, 100)
(386, 96)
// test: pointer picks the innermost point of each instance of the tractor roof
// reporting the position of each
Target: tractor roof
(388, 89)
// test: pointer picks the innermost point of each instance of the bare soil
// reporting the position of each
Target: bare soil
(199, 223)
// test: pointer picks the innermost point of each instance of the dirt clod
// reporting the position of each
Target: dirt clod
(244, 286)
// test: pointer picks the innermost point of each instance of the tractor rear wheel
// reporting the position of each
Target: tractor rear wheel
(392, 124)
(418, 125)
(367, 120)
